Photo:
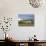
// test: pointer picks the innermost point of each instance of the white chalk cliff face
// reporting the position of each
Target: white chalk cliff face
(36, 3)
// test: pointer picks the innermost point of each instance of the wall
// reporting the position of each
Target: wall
(10, 8)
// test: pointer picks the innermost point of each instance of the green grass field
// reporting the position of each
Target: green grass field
(26, 23)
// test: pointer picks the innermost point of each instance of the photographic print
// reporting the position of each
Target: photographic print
(26, 20)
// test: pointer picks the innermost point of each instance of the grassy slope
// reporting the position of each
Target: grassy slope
(26, 22)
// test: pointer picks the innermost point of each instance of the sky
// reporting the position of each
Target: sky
(25, 16)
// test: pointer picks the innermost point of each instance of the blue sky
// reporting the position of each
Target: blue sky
(26, 16)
